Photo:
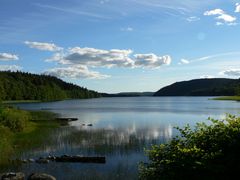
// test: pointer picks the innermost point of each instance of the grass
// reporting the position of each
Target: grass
(21, 101)
(228, 98)
(35, 127)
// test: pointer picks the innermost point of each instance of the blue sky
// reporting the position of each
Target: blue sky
(128, 45)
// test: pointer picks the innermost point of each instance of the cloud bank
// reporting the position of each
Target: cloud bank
(43, 46)
(75, 62)
(110, 58)
(8, 57)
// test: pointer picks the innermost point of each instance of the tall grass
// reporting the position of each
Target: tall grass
(21, 130)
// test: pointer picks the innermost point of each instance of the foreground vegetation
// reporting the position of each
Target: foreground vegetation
(228, 98)
(21, 130)
(26, 86)
(207, 152)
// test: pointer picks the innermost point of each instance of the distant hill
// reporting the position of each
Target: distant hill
(128, 94)
(26, 86)
(202, 87)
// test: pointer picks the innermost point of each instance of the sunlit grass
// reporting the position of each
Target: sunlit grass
(228, 98)
(38, 126)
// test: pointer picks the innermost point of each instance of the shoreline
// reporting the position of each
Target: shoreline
(34, 133)
(227, 98)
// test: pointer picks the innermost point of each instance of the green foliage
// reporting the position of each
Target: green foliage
(26, 86)
(23, 130)
(5, 147)
(15, 120)
(207, 152)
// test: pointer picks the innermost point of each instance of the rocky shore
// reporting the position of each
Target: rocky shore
(21, 176)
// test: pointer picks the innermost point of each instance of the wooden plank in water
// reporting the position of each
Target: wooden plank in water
(78, 159)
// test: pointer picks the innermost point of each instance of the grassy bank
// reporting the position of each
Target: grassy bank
(228, 98)
(21, 130)
(20, 101)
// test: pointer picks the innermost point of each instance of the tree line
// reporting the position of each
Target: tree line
(202, 87)
(27, 86)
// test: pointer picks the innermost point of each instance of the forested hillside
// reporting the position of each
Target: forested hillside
(26, 86)
(202, 87)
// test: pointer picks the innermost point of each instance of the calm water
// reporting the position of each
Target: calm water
(122, 128)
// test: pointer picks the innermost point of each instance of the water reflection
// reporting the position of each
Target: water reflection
(123, 148)
(88, 141)
(122, 128)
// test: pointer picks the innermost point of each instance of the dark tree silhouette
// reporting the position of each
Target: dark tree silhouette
(26, 86)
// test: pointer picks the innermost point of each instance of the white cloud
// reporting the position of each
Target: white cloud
(8, 57)
(109, 58)
(43, 46)
(10, 68)
(78, 71)
(237, 10)
(222, 16)
(207, 77)
(98, 57)
(151, 60)
(192, 19)
(184, 61)
(214, 12)
(227, 18)
(231, 72)
(129, 29)
(77, 60)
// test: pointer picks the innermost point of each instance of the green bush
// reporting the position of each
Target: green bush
(206, 152)
(15, 120)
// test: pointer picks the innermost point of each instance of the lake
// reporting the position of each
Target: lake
(122, 128)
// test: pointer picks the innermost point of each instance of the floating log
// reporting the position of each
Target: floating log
(79, 159)
(67, 119)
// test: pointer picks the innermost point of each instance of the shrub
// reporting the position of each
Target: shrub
(14, 119)
(206, 152)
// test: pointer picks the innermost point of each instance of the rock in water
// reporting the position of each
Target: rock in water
(13, 176)
(41, 176)
(42, 161)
